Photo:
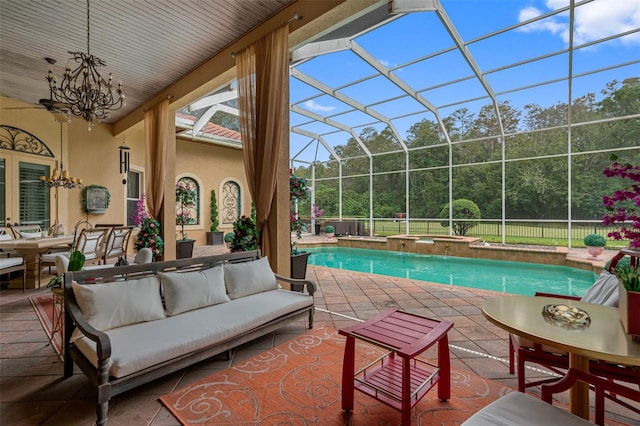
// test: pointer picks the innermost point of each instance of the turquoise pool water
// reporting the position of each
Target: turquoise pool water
(510, 277)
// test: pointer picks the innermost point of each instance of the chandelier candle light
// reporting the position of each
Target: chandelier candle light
(60, 177)
(84, 91)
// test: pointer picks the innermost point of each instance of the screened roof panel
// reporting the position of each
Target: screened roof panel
(337, 69)
(606, 54)
(354, 119)
(300, 90)
(397, 107)
(324, 105)
(436, 70)
(410, 31)
(456, 92)
(543, 70)
(545, 96)
(404, 124)
(372, 90)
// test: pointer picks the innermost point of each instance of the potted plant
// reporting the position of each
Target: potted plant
(228, 238)
(316, 214)
(595, 244)
(149, 236)
(329, 231)
(245, 235)
(214, 236)
(298, 190)
(623, 208)
(186, 200)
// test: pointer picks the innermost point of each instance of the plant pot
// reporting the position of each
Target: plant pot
(184, 249)
(299, 268)
(595, 251)
(628, 308)
(215, 238)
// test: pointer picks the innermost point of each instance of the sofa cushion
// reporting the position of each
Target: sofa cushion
(246, 278)
(184, 291)
(30, 234)
(143, 345)
(120, 303)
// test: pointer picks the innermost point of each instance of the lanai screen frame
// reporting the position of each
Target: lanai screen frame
(344, 38)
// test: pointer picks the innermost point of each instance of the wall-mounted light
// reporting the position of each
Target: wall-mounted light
(124, 161)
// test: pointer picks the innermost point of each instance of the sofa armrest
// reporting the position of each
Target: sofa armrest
(310, 285)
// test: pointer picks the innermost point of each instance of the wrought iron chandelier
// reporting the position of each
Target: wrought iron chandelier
(60, 178)
(84, 91)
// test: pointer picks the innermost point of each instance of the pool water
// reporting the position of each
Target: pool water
(503, 276)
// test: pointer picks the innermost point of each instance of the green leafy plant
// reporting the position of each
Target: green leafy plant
(462, 209)
(594, 240)
(329, 229)
(149, 236)
(186, 200)
(228, 237)
(245, 235)
(628, 276)
(214, 212)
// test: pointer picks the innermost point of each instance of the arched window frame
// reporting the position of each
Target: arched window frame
(199, 202)
(225, 220)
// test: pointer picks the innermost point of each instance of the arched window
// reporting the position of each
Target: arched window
(191, 213)
(231, 207)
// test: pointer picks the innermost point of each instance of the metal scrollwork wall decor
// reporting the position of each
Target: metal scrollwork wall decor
(15, 139)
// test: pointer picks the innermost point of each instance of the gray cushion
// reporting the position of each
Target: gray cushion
(120, 303)
(246, 278)
(184, 291)
(517, 408)
(604, 291)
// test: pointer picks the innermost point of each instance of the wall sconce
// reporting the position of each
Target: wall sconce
(124, 161)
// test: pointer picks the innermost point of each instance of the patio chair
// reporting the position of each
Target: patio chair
(14, 264)
(89, 242)
(116, 243)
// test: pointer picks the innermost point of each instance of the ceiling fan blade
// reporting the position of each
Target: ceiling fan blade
(29, 107)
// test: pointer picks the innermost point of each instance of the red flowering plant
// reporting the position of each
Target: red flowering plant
(149, 236)
(623, 205)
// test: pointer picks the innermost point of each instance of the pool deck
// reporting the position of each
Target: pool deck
(31, 391)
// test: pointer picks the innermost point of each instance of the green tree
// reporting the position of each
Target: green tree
(462, 209)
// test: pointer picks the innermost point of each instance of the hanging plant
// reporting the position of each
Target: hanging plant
(95, 199)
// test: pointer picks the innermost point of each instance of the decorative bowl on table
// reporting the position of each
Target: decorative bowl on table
(566, 316)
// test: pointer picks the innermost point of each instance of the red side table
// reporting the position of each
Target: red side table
(399, 383)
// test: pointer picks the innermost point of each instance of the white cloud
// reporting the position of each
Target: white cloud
(593, 21)
(311, 105)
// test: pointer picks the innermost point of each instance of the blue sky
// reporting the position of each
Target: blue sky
(399, 44)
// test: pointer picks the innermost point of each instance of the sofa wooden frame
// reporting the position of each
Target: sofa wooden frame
(107, 386)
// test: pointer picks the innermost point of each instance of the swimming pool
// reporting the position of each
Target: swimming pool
(510, 277)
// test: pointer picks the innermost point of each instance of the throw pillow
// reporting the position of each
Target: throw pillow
(604, 291)
(120, 303)
(246, 278)
(185, 291)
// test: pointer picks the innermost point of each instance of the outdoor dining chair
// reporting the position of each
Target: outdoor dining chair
(116, 243)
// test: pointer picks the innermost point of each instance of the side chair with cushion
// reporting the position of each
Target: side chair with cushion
(516, 408)
(14, 264)
(89, 243)
(116, 243)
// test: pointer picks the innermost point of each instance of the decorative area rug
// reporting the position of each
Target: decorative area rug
(299, 382)
(43, 305)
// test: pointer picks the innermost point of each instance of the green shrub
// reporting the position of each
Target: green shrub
(214, 212)
(462, 209)
(329, 229)
(228, 237)
(594, 240)
(245, 235)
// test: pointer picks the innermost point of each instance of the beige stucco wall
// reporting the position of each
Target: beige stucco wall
(94, 156)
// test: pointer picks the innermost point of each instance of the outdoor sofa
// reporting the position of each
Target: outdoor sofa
(126, 326)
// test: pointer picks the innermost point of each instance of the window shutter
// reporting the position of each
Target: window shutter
(34, 196)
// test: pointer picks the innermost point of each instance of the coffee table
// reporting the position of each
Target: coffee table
(399, 383)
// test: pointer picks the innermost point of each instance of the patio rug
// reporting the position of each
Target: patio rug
(299, 383)
(43, 305)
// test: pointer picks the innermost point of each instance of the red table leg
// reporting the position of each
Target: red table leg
(444, 363)
(406, 391)
(348, 370)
